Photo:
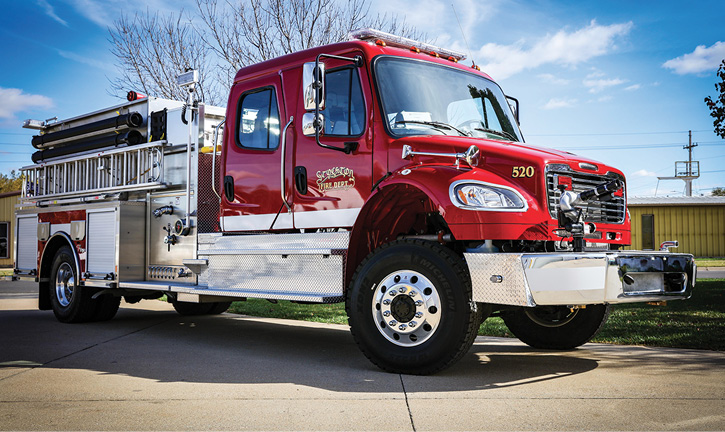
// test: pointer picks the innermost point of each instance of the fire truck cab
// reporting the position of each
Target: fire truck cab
(380, 172)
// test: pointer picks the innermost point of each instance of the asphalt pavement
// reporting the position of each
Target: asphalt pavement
(151, 369)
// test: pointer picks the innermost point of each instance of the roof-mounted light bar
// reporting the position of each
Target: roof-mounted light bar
(398, 41)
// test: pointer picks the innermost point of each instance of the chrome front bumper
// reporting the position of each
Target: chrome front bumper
(532, 279)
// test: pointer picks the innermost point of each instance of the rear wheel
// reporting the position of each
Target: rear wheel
(556, 327)
(409, 307)
(71, 302)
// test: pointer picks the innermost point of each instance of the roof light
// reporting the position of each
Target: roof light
(402, 42)
(132, 96)
(415, 49)
(380, 42)
(434, 54)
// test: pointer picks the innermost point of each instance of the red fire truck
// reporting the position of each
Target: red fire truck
(380, 172)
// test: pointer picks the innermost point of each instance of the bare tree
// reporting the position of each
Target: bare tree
(220, 38)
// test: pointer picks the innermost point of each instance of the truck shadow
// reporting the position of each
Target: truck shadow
(165, 347)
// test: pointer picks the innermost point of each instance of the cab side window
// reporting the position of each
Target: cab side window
(258, 120)
(344, 105)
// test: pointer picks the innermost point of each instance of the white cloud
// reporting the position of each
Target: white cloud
(633, 87)
(605, 98)
(560, 103)
(50, 11)
(562, 48)
(701, 60)
(552, 79)
(644, 173)
(598, 85)
(15, 101)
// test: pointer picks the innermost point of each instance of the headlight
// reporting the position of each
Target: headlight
(483, 196)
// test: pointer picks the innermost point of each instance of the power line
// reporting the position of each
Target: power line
(638, 146)
(616, 133)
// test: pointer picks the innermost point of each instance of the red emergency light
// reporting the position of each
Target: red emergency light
(132, 96)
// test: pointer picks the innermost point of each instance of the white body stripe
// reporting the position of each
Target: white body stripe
(308, 219)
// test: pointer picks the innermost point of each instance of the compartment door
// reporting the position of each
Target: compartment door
(102, 242)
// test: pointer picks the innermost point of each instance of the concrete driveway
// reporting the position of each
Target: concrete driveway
(151, 369)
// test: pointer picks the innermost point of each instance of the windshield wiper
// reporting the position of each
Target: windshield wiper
(496, 132)
(435, 124)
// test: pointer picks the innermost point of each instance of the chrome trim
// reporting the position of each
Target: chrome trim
(454, 200)
(283, 145)
(471, 156)
(70, 243)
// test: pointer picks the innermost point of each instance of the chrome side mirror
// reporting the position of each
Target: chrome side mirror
(313, 85)
(308, 124)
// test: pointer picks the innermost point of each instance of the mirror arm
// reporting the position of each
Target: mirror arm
(349, 147)
(516, 101)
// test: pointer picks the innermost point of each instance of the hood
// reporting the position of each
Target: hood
(495, 150)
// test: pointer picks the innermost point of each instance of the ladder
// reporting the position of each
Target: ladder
(138, 167)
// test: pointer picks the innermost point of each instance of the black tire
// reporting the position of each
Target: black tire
(106, 307)
(71, 303)
(219, 308)
(422, 275)
(556, 327)
(192, 309)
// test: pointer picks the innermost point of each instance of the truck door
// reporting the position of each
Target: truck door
(330, 186)
(251, 199)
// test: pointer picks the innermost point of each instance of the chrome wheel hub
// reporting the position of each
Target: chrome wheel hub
(406, 308)
(64, 284)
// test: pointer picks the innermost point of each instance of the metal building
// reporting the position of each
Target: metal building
(8, 201)
(698, 223)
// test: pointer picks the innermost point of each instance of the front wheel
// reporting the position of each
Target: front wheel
(556, 327)
(409, 307)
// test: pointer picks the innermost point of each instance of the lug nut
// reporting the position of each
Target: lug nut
(386, 313)
(392, 293)
(392, 323)
(401, 289)
(419, 314)
(386, 302)
(402, 326)
(419, 303)
(412, 293)
(412, 324)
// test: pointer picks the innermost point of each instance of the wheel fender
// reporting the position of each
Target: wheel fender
(412, 183)
(54, 243)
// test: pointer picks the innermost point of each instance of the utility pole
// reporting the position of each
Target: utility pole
(688, 182)
(689, 172)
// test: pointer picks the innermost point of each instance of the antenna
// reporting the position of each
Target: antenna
(463, 34)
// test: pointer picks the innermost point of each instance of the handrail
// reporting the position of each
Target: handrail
(213, 160)
(283, 145)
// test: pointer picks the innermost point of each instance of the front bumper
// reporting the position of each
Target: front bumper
(533, 279)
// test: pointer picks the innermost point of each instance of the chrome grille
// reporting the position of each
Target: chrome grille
(595, 211)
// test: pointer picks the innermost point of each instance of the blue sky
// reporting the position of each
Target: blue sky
(617, 81)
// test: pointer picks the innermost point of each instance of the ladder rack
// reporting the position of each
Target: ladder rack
(138, 167)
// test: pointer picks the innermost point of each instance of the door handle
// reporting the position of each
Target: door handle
(301, 179)
(229, 188)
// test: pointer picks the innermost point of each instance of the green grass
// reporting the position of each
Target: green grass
(710, 262)
(697, 323)
(6, 272)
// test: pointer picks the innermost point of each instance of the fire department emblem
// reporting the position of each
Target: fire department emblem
(337, 178)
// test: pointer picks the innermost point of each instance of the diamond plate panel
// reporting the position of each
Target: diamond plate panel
(286, 243)
(499, 279)
(276, 276)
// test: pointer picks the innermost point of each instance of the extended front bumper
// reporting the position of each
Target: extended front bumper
(532, 279)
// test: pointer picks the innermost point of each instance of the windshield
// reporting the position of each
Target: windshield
(421, 98)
